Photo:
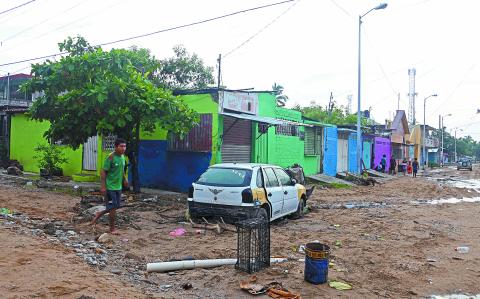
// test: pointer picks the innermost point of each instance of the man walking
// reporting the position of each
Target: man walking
(415, 167)
(112, 179)
(383, 163)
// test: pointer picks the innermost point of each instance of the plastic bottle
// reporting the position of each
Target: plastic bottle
(462, 249)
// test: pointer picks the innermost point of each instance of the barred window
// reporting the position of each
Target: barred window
(313, 141)
(108, 142)
(286, 129)
(199, 139)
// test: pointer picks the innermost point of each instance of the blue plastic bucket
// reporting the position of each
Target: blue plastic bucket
(316, 263)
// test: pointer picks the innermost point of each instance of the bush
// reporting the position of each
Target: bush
(50, 158)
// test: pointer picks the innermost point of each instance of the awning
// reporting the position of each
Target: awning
(265, 119)
(346, 130)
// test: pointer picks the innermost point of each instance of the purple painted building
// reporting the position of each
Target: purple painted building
(381, 146)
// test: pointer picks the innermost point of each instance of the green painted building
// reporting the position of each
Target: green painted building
(235, 126)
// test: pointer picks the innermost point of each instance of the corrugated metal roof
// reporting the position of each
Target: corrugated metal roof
(265, 119)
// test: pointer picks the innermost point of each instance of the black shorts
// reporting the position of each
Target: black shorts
(113, 199)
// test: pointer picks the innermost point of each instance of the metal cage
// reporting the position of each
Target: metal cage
(253, 245)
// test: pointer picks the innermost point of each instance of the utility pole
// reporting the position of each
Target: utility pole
(8, 89)
(398, 102)
(219, 70)
(441, 138)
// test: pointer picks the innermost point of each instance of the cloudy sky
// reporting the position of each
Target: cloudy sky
(308, 46)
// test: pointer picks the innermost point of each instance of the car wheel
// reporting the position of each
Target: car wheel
(261, 213)
(301, 206)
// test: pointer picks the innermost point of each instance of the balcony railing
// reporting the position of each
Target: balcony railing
(14, 102)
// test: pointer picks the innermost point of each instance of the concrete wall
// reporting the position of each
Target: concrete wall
(26, 134)
(381, 146)
(159, 168)
(279, 149)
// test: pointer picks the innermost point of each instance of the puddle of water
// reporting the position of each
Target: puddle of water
(354, 205)
(447, 200)
(458, 183)
(455, 296)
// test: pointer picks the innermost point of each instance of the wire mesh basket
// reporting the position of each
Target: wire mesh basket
(253, 245)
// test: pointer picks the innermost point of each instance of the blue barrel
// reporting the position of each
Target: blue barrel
(316, 262)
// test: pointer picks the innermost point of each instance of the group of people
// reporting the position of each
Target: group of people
(404, 166)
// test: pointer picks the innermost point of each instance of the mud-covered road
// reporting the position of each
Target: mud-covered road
(393, 240)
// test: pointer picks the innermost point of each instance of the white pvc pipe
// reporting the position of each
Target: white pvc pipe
(192, 264)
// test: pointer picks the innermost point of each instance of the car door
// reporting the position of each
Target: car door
(290, 197)
(274, 192)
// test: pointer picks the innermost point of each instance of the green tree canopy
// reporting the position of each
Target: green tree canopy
(91, 91)
(338, 115)
(184, 71)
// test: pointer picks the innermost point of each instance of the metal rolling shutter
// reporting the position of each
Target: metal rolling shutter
(237, 140)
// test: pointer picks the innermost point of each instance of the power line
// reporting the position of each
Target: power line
(195, 23)
(18, 6)
(160, 31)
(42, 22)
(63, 26)
(456, 87)
(342, 9)
(261, 30)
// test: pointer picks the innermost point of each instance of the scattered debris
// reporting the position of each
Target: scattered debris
(192, 264)
(105, 238)
(178, 232)
(462, 249)
(338, 285)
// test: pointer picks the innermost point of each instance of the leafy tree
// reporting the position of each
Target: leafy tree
(279, 95)
(91, 91)
(184, 71)
(338, 115)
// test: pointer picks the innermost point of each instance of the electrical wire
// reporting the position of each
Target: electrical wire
(63, 26)
(262, 29)
(41, 22)
(342, 9)
(456, 87)
(18, 6)
(159, 31)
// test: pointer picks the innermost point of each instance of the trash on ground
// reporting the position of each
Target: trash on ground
(192, 264)
(338, 285)
(278, 292)
(338, 243)
(5, 211)
(178, 232)
(462, 249)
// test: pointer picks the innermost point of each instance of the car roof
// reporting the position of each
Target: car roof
(242, 165)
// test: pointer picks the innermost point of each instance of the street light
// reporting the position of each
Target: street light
(359, 113)
(456, 143)
(425, 157)
(441, 157)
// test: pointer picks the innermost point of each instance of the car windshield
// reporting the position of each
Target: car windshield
(226, 177)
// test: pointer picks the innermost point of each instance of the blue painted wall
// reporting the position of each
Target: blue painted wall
(367, 154)
(352, 153)
(159, 168)
(330, 151)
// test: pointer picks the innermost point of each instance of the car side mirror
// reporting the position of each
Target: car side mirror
(294, 181)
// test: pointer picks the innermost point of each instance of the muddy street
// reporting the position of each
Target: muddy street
(394, 240)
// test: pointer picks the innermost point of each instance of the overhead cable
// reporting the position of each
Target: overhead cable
(18, 6)
(160, 31)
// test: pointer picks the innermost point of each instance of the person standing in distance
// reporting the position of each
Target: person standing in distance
(112, 180)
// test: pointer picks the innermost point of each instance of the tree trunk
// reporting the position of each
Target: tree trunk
(133, 156)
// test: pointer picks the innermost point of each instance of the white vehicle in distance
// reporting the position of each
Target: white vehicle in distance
(236, 191)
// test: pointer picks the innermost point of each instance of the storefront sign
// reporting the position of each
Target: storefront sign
(239, 101)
